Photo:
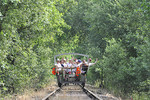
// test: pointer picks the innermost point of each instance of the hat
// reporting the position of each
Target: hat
(79, 61)
(58, 60)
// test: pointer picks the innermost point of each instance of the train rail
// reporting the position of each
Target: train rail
(72, 92)
(51, 94)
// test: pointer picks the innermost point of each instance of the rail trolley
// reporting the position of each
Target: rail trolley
(76, 77)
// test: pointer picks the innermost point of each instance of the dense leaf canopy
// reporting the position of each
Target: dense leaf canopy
(115, 31)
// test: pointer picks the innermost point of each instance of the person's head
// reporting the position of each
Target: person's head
(90, 59)
(64, 60)
(70, 61)
(76, 61)
(83, 61)
(61, 61)
(58, 61)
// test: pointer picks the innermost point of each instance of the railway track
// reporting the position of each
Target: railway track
(72, 92)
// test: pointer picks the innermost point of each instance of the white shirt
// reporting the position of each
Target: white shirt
(69, 66)
(75, 66)
(79, 64)
(59, 66)
(65, 66)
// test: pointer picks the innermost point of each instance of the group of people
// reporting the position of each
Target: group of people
(64, 66)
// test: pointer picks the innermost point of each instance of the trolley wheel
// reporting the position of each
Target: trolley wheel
(83, 84)
(59, 84)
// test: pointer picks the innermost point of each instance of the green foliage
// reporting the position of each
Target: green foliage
(114, 64)
(115, 31)
(118, 34)
(29, 32)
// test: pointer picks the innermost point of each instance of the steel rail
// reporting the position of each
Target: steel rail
(91, 94)
(54, 92)
(85, 90)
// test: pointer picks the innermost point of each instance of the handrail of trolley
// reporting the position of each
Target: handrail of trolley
(69, 54)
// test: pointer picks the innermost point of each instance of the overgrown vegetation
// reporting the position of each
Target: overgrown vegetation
(30, 34)
(118, 33)
(115, 31)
